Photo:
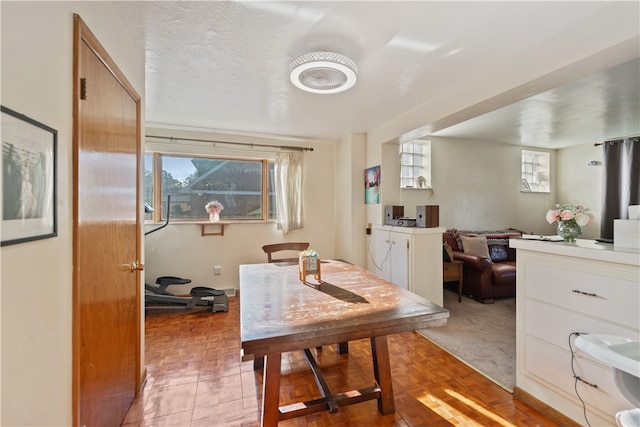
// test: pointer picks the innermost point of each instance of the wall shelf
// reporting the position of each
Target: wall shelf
(207, 226)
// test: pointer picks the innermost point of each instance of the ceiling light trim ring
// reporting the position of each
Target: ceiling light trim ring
(323, 72)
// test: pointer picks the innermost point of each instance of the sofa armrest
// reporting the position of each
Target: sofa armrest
(473, 261)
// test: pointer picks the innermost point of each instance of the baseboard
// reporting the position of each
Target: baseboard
(230, 292)
(543, 408)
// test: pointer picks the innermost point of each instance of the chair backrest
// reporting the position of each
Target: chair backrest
(288, 246)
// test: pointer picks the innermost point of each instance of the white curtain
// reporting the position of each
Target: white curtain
(288, 177)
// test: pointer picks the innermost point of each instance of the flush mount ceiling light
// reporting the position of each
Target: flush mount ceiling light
(323, 72)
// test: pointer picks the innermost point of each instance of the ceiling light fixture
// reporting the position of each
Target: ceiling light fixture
(323, 72)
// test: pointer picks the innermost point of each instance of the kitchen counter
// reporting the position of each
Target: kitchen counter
(589, 249)
(564, 290)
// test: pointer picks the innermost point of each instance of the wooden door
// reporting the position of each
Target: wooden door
(106, 236)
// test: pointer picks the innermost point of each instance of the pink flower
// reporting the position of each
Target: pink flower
(566, 214)
(214, 207)
(584, 218)
(577, 213)
(552, 216)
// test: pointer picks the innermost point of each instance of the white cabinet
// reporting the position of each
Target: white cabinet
(563, 289)
(392, 257)
(408, 257)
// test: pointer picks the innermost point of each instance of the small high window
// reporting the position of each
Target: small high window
(415, 164)
(535, 171)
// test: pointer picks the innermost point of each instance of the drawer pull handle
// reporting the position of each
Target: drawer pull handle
(584, 293)
(586, 382)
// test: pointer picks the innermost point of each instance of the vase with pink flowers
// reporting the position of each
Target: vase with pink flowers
(214, 208)
(570, 219)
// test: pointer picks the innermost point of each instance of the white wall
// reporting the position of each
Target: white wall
(476, 186)
(36, 277)
(349, 195)
(581, 184)
(180, 250)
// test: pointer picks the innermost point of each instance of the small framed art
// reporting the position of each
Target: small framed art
(372, 185)
(28, 179)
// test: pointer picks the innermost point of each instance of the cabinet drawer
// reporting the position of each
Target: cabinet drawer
(552, 365)
(610, 298)
(553, 324)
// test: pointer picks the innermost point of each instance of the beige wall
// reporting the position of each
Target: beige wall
(36, 278)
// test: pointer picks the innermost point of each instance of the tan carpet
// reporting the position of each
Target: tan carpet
(481, 335)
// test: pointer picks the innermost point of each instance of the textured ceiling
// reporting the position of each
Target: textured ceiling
(224, 65)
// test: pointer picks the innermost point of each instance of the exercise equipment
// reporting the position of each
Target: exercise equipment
(158, 297)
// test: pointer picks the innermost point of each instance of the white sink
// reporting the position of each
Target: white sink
(617, 352)
(630, 355)
(622, 354)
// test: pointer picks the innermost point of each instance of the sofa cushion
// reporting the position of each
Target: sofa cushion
(475, 245)
(498, 253)
(504, 274)
(452, 237)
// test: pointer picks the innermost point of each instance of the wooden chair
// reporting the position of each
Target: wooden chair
(343, 347)
(288, 246)
(270, 250)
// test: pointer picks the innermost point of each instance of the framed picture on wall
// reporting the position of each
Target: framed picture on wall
(28, 189)
(372, 185)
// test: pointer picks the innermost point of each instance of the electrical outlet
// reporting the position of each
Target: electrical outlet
(217, 270)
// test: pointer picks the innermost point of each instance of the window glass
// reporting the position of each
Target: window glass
(148, 183)
(271, 191)
(192, 182)
(415, 164)
(535, 171)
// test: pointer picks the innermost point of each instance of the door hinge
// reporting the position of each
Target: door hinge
(83, 89)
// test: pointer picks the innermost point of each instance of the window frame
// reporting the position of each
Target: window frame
(422, 170)
(157, 195)
(538, 164)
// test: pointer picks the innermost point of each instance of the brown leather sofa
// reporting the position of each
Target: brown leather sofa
(486, 278)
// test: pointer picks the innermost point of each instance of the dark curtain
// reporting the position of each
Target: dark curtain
(620, 181)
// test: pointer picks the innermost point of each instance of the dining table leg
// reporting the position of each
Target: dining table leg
(271, 390)
(382, 373)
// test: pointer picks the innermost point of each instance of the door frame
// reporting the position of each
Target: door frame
(82, 34)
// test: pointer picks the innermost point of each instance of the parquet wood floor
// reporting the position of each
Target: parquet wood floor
(195, 378)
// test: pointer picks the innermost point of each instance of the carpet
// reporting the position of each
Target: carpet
(482, 336)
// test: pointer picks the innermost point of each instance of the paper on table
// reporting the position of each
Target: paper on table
(543, 238)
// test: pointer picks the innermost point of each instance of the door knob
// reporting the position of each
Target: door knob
(135, 265)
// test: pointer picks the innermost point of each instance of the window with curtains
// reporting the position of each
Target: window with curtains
(535, 171)
(245, 187)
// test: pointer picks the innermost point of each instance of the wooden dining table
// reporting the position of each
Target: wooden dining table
(279, 313)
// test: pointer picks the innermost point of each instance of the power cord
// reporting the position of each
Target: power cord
(577, 378)
(386, 256)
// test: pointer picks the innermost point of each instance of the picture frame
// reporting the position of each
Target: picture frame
(372, 185)
(28, 186)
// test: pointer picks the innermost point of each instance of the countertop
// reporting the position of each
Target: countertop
(582, 248)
